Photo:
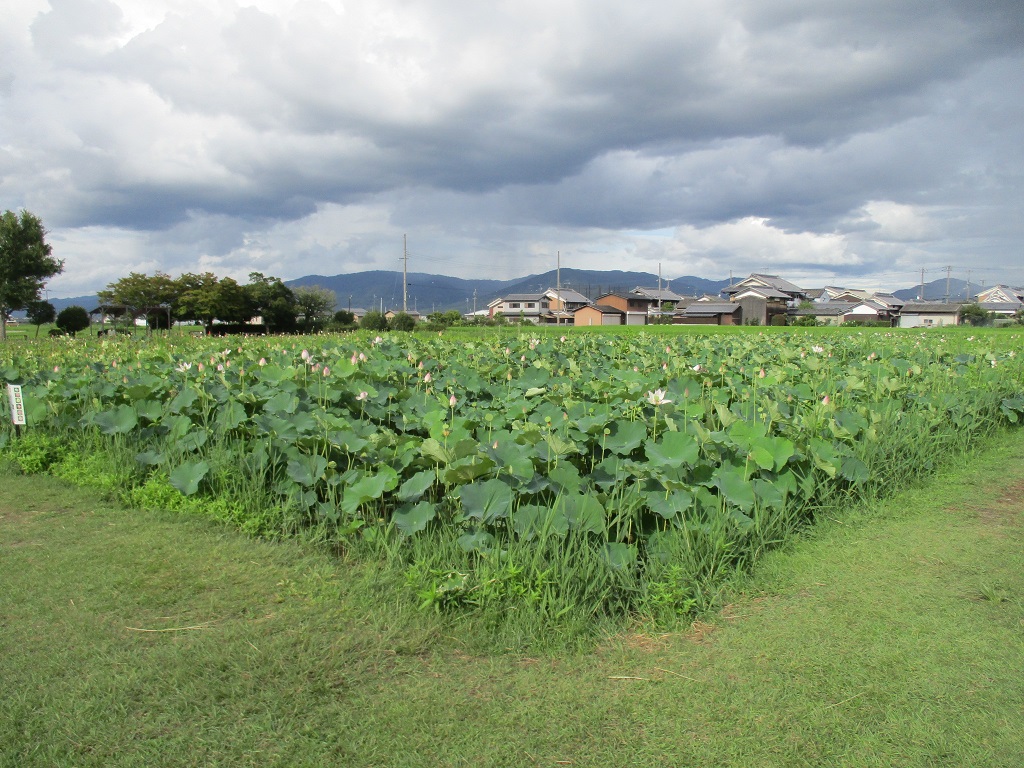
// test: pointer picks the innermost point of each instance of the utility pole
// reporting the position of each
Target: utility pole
(558, 284)
(659, 287)
(922, 283)
(967, 288)
(404, 273)
(948, 271)
(474, 301)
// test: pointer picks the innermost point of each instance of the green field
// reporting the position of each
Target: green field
(893, 637)
(546, 483)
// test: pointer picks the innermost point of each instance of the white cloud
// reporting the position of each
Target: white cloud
(285, 135)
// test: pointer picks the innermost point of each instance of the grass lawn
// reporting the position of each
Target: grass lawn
(892, 638)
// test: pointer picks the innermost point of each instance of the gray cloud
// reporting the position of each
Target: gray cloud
(851, 138)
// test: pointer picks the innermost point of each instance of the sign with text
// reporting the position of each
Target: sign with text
(17, 404)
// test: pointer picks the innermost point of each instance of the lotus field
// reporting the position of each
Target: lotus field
(621, 472)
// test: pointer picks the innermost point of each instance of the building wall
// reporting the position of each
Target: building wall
(591, 316)
(927, 320)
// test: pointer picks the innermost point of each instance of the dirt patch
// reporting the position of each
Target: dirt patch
(1004, 508)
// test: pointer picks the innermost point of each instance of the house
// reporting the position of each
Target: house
(563, 303)
(390, 315)
(767, 286)
(1001, 294)
(634, 306)
(659, 295)
(709, 313)
(838, 312)
(565, 299)
(530, 307)
(599, 314)
(1001, 300)
(929, 314)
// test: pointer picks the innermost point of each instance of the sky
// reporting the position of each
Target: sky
(831, 142)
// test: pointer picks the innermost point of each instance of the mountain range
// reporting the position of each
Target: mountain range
(429, 293)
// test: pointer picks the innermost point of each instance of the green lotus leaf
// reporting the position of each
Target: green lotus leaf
(187, 477)
(411, 519)
(487, 501)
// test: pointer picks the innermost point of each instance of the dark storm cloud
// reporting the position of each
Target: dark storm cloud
(577, 122)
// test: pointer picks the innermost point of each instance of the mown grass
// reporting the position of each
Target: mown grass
(891, 636)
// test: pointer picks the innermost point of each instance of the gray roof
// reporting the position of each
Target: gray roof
(773, 281)
(664, 294)
(523, 297)
(836, 308)
(931, 307)
(764, 291)
(1000, 306)
(705, 308)
(569, 295)
(604, 309)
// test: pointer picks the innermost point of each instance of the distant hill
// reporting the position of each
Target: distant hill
(426, 293)
(429, 293)
(959, 290)
(593, 283)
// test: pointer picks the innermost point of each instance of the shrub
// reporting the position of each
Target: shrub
(402, 322)
(374, 321)
(73, 319)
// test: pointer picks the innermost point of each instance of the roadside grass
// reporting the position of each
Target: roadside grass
(889, 636)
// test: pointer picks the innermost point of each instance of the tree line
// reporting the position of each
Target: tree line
(204, 299)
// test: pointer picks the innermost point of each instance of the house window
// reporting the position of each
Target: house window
(531, 305)
(545, 304)
(513, 305)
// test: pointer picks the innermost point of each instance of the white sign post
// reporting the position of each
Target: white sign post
(17, 406)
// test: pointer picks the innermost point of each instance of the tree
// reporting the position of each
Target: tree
(315, 305)
(402, 322)
(195, 297)
(142, 296)
(40, 313)
(445, 319)
(374, 321)
(274, 301)
(26, 262)
(234, 302)
(73, 319)
(973, 314)
(344, 317)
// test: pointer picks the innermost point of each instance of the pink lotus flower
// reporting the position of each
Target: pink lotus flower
(362, 395)
(426, 378)
(305, 355)
(825, 400)
(452, 401)
(263, 361)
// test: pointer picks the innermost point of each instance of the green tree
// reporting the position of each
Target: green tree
(374, 321)
(73, 319)
(195, 297)
(973, 314)
(26, 262)
(40, 313)
(445, 319)
(315, 304)
(402, 322)
(344, 317)
(274, 302)
(142, 295)
(234, 302)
